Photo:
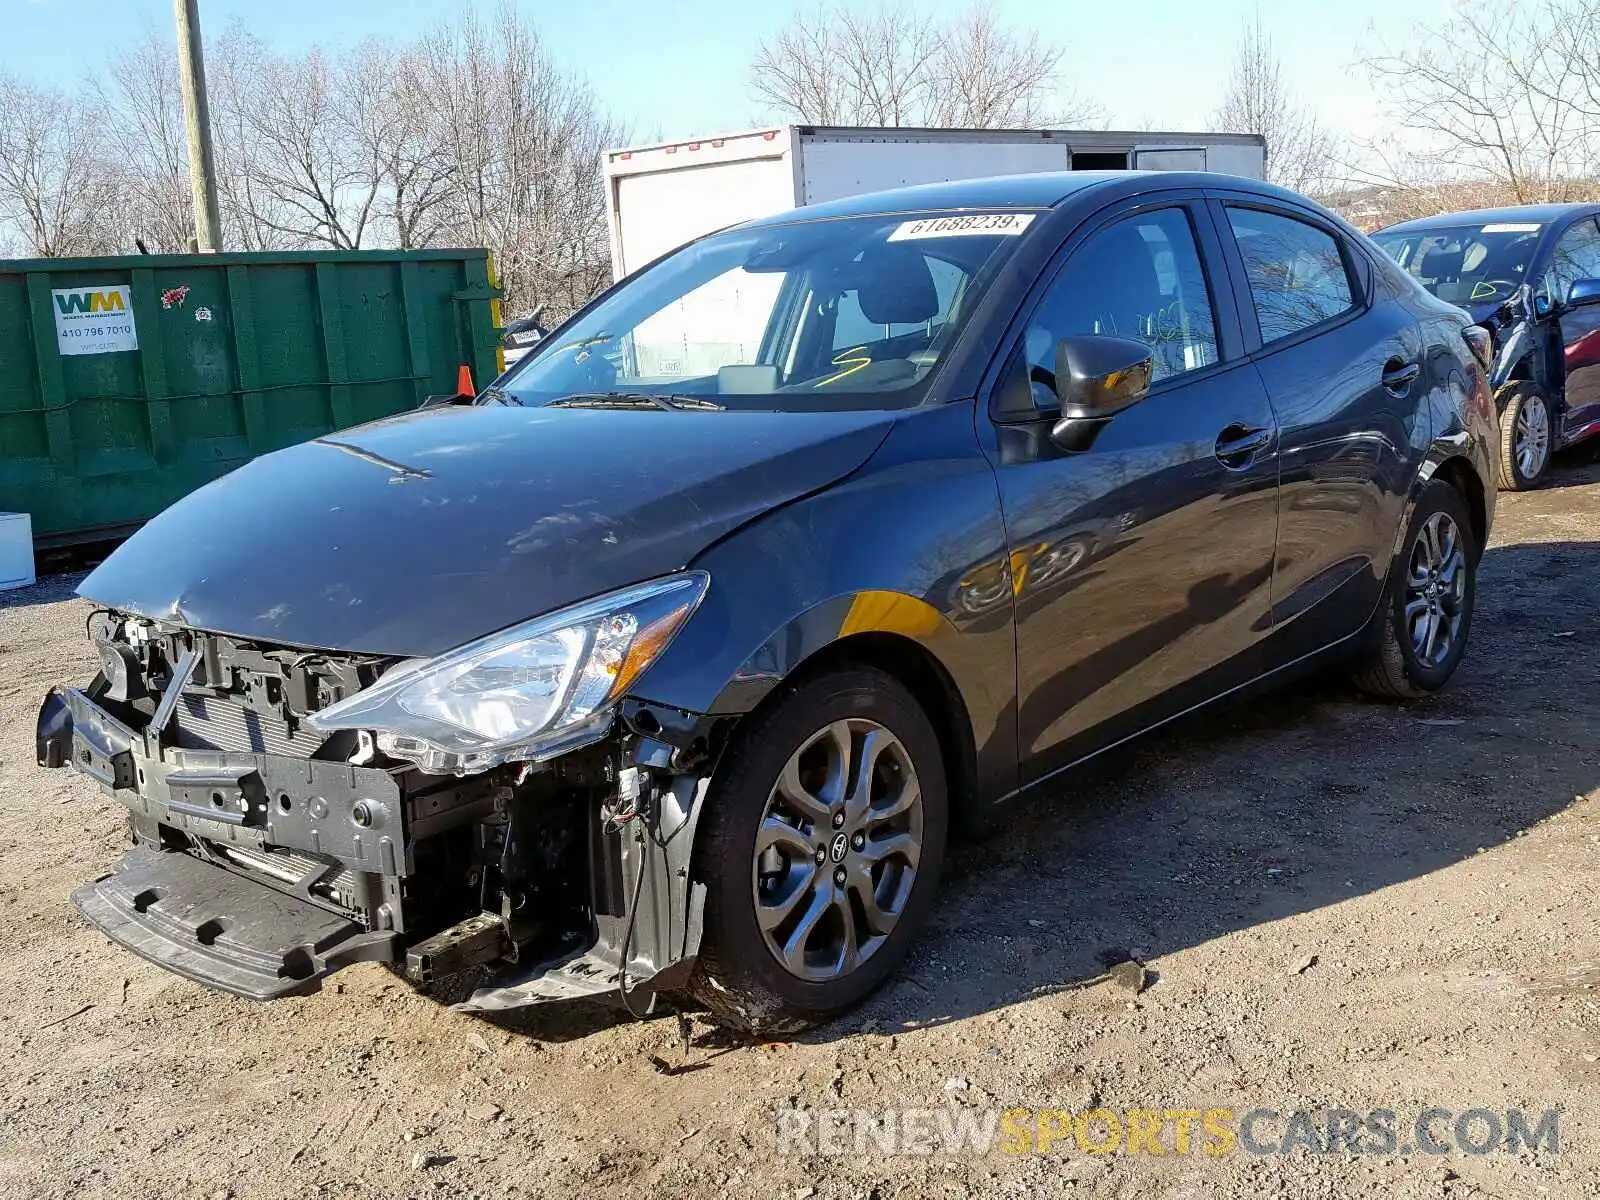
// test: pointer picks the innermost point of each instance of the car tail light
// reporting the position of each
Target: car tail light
(1481, 342)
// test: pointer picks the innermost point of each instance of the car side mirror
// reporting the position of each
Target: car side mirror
(1096, 378)
(1582, 292)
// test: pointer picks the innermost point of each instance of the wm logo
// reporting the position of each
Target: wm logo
(90, 302)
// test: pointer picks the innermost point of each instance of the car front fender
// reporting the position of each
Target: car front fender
(910, 552)
(1517, 346)
(875, 625)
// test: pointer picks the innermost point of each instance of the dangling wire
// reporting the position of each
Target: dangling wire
(647, 837)
(627, 937)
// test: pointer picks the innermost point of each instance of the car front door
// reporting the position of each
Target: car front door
(1141, 565)
(1577, 256)
(1344, 367)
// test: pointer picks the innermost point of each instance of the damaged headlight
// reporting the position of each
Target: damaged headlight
(526, 693)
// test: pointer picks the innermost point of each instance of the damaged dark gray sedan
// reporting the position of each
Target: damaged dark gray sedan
(671, 662)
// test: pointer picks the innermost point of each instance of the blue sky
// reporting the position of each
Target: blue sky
(679, 68)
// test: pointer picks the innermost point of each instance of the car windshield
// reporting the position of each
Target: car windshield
(822, 314)
(1469, 264)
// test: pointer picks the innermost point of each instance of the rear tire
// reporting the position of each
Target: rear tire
(1527, 435)
(1419, 632)
(777, 953)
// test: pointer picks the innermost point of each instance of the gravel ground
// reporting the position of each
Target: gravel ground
(1340, 905)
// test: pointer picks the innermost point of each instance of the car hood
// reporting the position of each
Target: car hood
(415, 534)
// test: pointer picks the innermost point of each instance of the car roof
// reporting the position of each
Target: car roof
(1543, 214)
(1036, 189)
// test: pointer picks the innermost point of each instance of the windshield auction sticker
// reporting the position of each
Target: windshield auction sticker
(982, 225)
(94, 320)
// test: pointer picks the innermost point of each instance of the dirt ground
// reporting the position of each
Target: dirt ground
(1342, 905)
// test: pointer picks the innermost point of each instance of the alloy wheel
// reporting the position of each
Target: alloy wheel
(837, 850)
(1436, 589)
(1531, 437)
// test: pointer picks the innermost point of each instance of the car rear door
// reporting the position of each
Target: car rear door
(1342, 361)
(1577, 256)
(1140, 566)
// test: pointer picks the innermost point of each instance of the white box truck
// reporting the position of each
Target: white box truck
(661, 196)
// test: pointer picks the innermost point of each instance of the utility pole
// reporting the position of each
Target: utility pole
(196, 115)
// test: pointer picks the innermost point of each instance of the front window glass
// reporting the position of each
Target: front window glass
(852, 313)
(1140, 278)
(1577, 256)
(1467, 265)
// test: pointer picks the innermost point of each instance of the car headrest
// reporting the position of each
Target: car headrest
(895, 286)
(1131, 269)
(1125, 291)
(1440, 263)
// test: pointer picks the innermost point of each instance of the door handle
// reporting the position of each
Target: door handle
(1239, 443)
(1398, 376)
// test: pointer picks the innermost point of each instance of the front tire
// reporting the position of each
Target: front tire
(1526, 436)
(820, 853)
(1420, 630)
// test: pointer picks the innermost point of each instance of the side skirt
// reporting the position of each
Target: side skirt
(1274, 678)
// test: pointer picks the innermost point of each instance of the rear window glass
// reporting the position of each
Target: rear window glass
(1296, 271)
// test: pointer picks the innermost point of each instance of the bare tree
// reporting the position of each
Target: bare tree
(387, 113)
(280, 138)
(850, 67)
(471, 136)
(1505, 94)
(231, 64)
(141, 118)
(1301, 153)
(990, 77)
(309, 177)
(53, 184)
(897, 66)
(523, 144)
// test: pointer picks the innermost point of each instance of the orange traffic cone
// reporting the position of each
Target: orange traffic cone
(464, 381)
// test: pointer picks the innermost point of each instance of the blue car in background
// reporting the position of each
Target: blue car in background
(1531, 276)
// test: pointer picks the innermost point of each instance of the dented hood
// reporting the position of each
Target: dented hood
(415, 534)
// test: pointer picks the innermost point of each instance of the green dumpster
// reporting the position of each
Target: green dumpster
(127, 382)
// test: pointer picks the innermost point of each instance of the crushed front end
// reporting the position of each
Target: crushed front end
(268, 853)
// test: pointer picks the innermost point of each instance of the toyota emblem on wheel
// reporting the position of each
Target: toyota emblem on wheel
(841, 844)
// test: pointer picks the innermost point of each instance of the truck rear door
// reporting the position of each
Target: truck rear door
(1169, 158)
(1235, 156)
(659, 211)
